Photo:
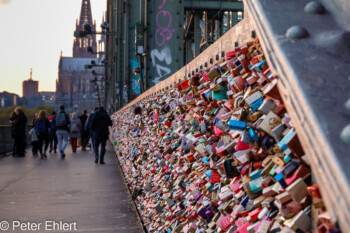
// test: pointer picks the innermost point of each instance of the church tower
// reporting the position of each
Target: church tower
(80, 44)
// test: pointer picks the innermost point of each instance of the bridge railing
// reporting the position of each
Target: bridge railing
(6, 142)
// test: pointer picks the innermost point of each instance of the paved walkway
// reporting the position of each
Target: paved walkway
(70, 190)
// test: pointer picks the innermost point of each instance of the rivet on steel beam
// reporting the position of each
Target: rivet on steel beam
(314, 8)
(253, 34)
(297, 32)
(345, 134)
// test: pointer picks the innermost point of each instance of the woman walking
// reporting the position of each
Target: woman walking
(42, 125)
(75, 129)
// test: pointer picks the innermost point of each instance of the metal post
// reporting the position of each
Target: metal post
(127, 79)
(141, 60)
(197, 33)
(145, 61)
(119, 70)
(234, 18)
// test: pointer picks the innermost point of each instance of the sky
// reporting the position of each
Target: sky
(32, 35)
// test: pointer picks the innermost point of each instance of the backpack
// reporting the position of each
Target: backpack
(61, 119)
(40, 127)
(53, 123)
(75, 128)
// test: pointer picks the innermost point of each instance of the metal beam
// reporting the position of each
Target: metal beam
(213, 5)
(312, 62)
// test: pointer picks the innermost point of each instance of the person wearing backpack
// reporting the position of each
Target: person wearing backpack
(42, 126)
(52, 133)
(62, 124)
(75, 129)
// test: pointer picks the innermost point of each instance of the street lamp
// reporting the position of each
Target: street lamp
(90, 50)
(93, 64)
(88, 31)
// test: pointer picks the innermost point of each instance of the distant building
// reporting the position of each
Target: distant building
(47, 97)
(30, 88)
(9, 99)
(73, 87)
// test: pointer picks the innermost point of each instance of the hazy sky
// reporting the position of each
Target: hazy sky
(32, 35)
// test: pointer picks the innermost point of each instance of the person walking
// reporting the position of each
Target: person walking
(99, 125)
(35, 141)
(34, 119)
(18, 132)
(62, 124)
(42, 126)
(88, 128)
(52, 132)
(75, 129)
(84, 133)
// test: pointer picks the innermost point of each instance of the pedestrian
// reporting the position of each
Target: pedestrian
(84, 133)
(62, 124)
(42, 125)
(35, 141)
(18, 132)
(52, 133)
(87, 127)
(34, 119)
(75, 129)
(99, 125)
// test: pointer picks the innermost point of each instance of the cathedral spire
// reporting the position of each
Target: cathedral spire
(80, 44)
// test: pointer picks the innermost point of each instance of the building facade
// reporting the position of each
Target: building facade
(74, 88)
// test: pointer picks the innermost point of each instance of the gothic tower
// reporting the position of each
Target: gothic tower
(80, 44)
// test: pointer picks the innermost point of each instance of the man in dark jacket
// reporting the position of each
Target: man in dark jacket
(18, 126)
(84, 133)
(88, 127)
(99, 125)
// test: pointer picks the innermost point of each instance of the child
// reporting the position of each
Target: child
(35, 141)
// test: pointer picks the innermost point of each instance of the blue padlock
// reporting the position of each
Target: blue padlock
(237, 125)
